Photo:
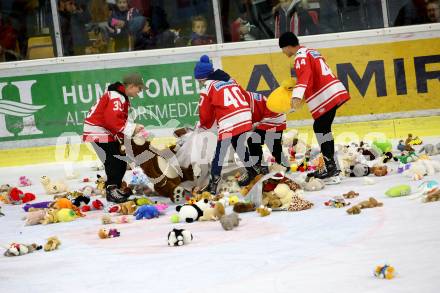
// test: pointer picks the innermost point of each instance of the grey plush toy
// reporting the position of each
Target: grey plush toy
(313, 184)
(230, 221)
(430, 149)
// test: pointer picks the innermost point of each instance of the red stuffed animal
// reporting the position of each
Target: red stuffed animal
(16, 196)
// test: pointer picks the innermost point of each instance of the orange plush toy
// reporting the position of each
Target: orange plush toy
(62, 203)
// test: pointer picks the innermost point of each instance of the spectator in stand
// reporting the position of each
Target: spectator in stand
(124, 21)
(100, 11)
(413, 12)
(291, 16)
(242, 29)
(198, 35)
(145, 38)
(433, 10)
(8, 39)
(73, 18)
(100, 43)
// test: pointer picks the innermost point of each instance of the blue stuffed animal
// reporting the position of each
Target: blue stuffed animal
(146, 212)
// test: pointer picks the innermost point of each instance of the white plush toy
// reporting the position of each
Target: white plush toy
(347, 156)
(53, 187)
(422, 168)
(285, 194)
(16, 249)
(313, 184)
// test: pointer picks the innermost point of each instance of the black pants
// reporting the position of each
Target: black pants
(114, 167)
(273, 140)
(238, 142)
(323, 131)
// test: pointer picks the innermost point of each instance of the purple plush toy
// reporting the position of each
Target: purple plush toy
(146, 212)
(113, 233)
(37, 205)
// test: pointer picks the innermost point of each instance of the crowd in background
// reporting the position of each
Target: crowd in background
(102, 26)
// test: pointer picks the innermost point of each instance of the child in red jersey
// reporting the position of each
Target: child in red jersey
(106, 124)
(223, 101)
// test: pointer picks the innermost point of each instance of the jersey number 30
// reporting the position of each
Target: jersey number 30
(234, 97)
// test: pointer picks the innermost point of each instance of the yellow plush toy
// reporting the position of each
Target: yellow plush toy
(264, 211)
(279, 100)
(66, 215)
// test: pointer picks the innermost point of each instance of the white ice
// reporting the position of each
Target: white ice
(319, 250)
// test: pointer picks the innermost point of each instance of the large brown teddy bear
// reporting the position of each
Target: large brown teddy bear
(155, 164)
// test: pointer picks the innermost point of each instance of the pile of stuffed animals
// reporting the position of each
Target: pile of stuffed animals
(279, 191)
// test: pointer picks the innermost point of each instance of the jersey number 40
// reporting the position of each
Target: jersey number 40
(234, 97)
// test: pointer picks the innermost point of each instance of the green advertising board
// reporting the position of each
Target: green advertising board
(48, 105)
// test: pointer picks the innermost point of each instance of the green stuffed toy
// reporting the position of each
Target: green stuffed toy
(144, 201)
(384, 145)
(407, 157)
(399, 190)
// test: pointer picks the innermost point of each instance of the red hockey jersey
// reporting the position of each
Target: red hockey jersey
(262, 117)
(108, 118)
(224, 102)
(316, 83)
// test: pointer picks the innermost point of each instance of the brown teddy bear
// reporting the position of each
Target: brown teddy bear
(214, 213)
(271, 200)
(244, 207)
(155, 164)
(127, 208)
(350, 194)
(432, 195)
(52, 243)
(366, 204)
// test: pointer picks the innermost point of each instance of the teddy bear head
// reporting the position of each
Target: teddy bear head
(103, 233)
(44, 180)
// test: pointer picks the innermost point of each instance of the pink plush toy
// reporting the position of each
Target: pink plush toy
(24, 181)
(123, 220)
(162, 207)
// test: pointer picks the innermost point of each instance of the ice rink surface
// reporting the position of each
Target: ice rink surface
(318, 250)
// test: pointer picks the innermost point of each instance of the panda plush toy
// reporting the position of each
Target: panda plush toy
(192, 212)
(359, 170)
(179, 237)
